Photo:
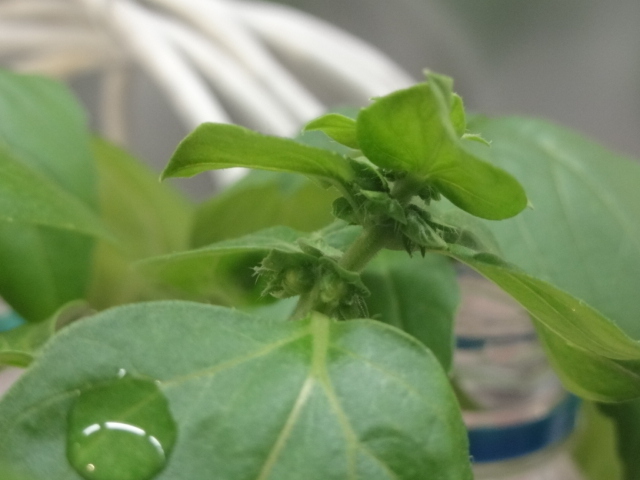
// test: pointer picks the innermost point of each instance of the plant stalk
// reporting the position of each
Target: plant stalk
(357, 256)
(361, 252)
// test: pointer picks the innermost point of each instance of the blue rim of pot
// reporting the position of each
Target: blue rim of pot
(493, 444)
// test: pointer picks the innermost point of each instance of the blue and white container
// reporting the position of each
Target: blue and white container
(518, 415)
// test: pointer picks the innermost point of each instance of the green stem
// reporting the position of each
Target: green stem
(364, 248)
(361, 251)
(306, 303)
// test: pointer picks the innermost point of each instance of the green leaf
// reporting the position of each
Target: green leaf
(19, 346)
(29, 198)
(595, 445)
(215, 272)
(583, 233)
(340, 128)
(314, 399)
(43, 125)
(285, 199)
(471, 232)
(590, 375)
(417, 295)
(43, 128)
(598, 359)
(217, 146)
(626, 417)
(412, 131)
(149, 218)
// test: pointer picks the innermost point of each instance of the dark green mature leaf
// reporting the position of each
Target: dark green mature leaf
(417, 295)
(42, 268)
(215, 272)
(418, 130)
(599, 359)
(148, 217)
(217, 146)
(284, 199)
(338, 127)
(315, 399)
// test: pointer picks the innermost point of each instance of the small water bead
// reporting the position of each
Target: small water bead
(121, 429)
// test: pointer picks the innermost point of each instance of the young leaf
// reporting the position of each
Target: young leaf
(314, 399)
(417, 295)
(340, 128)
(412, 131)
(216, 146)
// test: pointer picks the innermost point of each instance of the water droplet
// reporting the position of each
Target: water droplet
(121, 429)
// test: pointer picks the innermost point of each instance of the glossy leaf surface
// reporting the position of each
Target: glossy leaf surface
(120, 429)
(216, 146)
(415, 130)
(321, 399)
(417, 295)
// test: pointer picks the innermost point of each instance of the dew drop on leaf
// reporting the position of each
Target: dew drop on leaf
(120, 429)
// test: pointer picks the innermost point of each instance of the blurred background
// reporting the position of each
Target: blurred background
(574, 62)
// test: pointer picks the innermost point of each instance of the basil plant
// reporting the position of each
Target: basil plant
(299, 324)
